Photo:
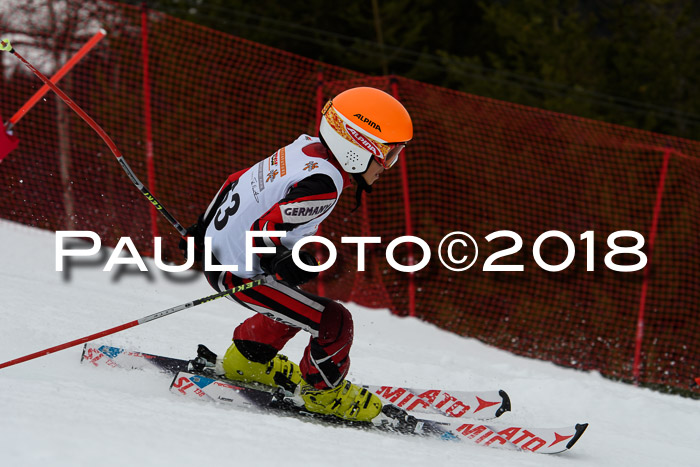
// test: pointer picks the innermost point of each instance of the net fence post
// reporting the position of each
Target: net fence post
(647, 269)
(320, 287)
(148, 122)
(407, 215)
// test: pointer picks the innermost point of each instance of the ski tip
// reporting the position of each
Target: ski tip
(505, 405)
(580, 428)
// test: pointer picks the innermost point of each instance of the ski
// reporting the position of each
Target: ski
(481, 405)
(115, 357)
(391, 419)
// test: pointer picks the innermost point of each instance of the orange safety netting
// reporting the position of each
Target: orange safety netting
(221, 103)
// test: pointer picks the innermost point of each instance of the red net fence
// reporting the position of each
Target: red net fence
(219, 103)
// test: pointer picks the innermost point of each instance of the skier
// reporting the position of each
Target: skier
(362, 133)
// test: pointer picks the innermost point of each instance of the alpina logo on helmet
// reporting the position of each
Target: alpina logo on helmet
(363, 142)
(367, 121)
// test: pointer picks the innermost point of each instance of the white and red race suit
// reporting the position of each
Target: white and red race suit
(293, 190)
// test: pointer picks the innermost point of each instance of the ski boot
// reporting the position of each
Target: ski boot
(347, 401)
(278, 372)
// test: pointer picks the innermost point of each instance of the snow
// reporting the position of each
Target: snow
(55, 411)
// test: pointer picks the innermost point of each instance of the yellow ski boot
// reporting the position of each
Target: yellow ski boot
(238, 368)
(347, 401)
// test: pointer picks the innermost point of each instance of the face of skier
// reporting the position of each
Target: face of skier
(379, 165)
(373, 172)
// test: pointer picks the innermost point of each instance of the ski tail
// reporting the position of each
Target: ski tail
(206, 388)
(115, 357)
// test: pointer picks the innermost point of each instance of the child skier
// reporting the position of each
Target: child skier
(362, 133)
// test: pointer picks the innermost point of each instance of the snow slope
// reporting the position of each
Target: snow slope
(56, 412)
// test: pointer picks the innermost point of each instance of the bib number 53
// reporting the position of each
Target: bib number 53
(232, 205)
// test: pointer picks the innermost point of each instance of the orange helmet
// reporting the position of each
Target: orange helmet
(364, 123)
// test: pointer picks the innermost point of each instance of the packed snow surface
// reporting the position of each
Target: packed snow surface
(55, 411)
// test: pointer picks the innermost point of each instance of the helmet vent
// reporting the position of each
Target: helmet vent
(353, 158)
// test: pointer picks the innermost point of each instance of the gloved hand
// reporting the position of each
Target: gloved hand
(283, 264)
(196, 231)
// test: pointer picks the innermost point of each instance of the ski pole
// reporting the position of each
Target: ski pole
(131, 324)
(56, 78)
(5, 46)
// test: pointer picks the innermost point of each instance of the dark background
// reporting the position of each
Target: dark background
(628, 62)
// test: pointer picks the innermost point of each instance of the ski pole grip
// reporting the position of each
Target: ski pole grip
(5, 46)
